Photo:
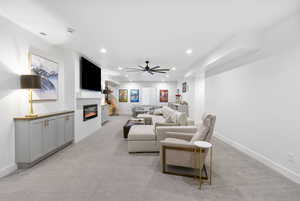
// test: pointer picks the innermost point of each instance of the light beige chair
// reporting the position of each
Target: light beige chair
(177, 149)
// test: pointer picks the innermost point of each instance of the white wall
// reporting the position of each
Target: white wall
(258, 104)
(125, 108)
(15, 46)
(195, 95)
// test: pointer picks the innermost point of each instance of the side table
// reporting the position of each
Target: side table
(202, 148)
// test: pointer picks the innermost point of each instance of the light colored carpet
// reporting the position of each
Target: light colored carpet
(100, 169)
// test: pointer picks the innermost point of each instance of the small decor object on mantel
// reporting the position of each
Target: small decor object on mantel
(134, 96)
(123, 95)
(184, 87)
(163, 95)
(48, 71)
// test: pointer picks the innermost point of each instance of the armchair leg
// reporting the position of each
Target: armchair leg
(163, 159)
(205, 171)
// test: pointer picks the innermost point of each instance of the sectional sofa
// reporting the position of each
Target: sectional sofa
(146, 138)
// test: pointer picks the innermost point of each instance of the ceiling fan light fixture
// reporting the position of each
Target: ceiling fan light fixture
(149, 69)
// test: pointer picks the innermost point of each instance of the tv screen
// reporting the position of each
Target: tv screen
(90, 75)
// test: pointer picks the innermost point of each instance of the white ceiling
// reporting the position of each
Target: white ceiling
(132, 31)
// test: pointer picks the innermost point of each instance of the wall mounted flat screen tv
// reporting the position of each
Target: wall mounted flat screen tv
(90, 75)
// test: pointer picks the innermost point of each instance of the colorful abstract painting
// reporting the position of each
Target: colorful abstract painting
(163, 95)
(123, 95)
(134, 95)
(48, 70)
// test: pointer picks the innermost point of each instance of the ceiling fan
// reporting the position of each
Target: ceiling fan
(147, 68)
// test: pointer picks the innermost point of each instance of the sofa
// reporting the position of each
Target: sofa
(142, 109)
(146, 138)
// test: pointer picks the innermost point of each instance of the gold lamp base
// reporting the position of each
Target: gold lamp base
(31, 113)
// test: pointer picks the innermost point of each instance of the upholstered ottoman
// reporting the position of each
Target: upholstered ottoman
(141, 138)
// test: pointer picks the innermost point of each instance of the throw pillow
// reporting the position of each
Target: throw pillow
(182, 119)
(169, 120)
(200, 135)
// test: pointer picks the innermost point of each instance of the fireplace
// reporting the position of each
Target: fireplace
(90, 112)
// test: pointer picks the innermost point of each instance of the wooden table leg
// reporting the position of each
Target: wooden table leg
(200, 168)
(210, 165)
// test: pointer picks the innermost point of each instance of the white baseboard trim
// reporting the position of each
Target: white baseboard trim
(8, 170)
(261, 158)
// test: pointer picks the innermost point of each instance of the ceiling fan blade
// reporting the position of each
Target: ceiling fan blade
(150, 72)
(141, 66)
(155, 67)
(132, 71)
(162, 69)
(159, 72)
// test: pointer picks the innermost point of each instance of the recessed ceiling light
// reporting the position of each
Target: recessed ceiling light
(103, 50)
(126, 75)
(173, 68)
(120, 68)
(189, 51)
(167, 75)
(43, 33)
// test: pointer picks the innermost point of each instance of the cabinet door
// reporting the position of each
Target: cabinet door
(49, 135)
(69, 128)
(36, 140)
(60, 140)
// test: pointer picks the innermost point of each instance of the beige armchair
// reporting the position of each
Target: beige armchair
(177, 148)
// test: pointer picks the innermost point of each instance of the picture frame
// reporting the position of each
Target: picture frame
(134, 95)
(163, 95)
(184, 87)
(49, 72)
(123, 95)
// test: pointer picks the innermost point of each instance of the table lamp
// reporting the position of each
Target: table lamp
(30, 82)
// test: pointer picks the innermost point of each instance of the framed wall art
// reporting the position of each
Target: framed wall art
(134, 95)
(163, 95)
(123, 95)
(184, 87)
(49, 72)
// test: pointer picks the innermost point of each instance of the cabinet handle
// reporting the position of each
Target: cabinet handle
(46, 123)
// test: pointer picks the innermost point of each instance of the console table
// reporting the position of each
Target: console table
(38, 137)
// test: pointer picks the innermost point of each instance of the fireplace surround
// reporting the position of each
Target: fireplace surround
(90, 112)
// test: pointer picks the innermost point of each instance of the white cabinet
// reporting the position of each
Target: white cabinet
(49, 135)
(60, 139)
(69, 128)
(38, 137)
